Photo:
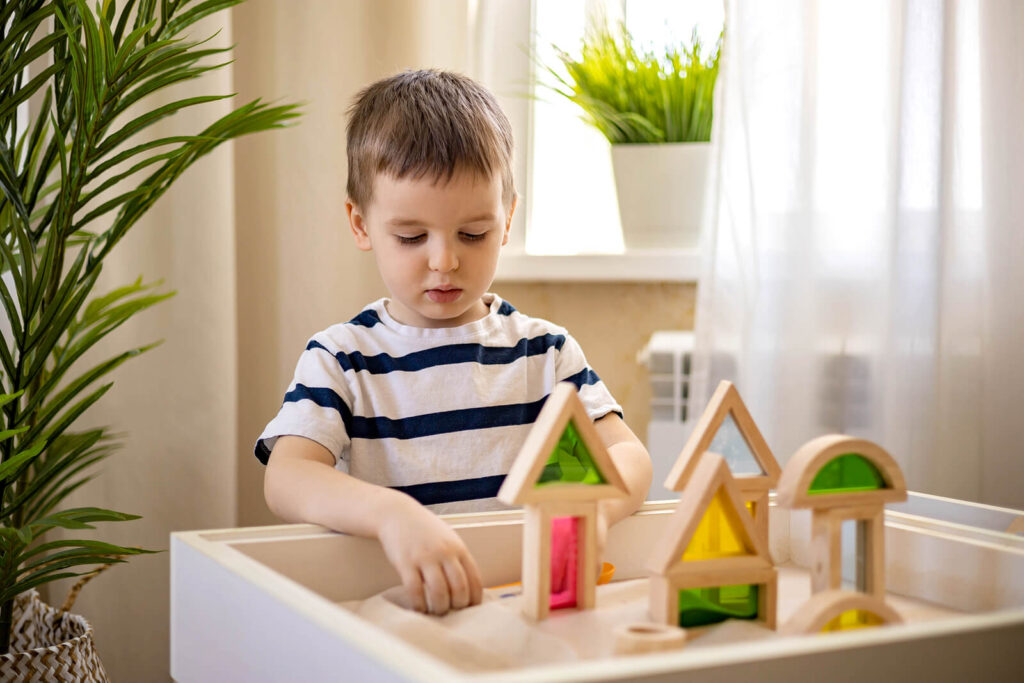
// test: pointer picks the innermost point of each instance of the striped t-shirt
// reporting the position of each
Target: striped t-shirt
(439, 413)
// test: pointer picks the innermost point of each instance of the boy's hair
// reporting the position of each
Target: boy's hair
(426, 123)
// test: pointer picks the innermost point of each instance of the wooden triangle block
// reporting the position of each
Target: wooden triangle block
(562, 407)
(710, 477)
(724, 402)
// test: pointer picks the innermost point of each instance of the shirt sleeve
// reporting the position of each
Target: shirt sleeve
(317, 406)
(571, 366)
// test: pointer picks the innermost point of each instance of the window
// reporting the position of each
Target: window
(570, 191)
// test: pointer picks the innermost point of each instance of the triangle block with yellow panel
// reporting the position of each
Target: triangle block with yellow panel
(712, 562)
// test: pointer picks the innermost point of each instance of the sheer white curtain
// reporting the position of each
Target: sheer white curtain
(864, 244)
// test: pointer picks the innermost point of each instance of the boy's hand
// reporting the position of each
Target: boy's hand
(437, 571)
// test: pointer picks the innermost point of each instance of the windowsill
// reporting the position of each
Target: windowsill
(679, 265)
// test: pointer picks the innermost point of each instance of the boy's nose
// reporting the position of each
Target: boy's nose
(443, 258)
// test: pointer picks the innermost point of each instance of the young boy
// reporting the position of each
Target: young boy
(421, 402)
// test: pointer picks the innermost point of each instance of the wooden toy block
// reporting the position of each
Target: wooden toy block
(1016, 526)
(635, 639)
(537, 556)
(663, 601)
(726, 403)
(712, 556)
(838, 610)
(758, 506)
(826, 549)
(840, 471)
(872, 537)
(536, 563)
(722, 574)
(562, 408)
(562, 470)
(842, 478)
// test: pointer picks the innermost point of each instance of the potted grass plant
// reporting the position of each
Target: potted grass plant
(656, 111)
(79, 166)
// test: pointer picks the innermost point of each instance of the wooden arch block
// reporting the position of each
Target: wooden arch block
(803, 467)
(815, 614)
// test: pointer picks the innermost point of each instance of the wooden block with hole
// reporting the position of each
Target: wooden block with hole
(726, 427)
(561, 473)
(712, 562)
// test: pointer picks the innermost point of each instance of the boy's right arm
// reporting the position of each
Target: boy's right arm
(437, 571)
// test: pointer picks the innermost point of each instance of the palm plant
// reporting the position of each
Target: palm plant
(74, 178)
(633, 95)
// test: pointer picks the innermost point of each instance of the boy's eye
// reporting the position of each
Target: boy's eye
(473, 237)
(403, 239)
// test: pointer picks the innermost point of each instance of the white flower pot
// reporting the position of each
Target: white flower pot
(660, 189)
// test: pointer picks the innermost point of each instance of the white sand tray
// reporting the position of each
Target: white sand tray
(494, 636)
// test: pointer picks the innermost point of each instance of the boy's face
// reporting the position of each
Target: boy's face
(436, 244)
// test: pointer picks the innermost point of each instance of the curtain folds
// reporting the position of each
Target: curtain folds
(862, 254)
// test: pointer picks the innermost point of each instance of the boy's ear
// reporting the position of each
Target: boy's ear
(508, 218)
(357, 223)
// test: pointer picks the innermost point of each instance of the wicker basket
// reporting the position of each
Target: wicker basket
(48, 644)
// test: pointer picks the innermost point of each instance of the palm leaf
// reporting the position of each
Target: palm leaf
(82, 157)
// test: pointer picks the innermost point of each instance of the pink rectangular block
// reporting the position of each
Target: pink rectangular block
(564, 565)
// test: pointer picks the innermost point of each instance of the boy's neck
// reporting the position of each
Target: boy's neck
(478, 311)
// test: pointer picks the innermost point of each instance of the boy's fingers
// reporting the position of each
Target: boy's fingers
(457, 583)
(476, 585)
(435, 587)
(413, 583)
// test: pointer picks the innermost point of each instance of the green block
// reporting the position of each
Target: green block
(703, 606)
(847, 473)
(570, 462)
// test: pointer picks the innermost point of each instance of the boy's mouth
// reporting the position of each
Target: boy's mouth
(444, 296)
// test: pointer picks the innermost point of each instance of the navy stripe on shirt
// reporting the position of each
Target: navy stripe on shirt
(450, 354)
(584, 376)
(430, 424)
(436, 492)
(506, 308)
(444, 422)
(367, 318)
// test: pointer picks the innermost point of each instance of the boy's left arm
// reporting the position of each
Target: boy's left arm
(633, 463)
